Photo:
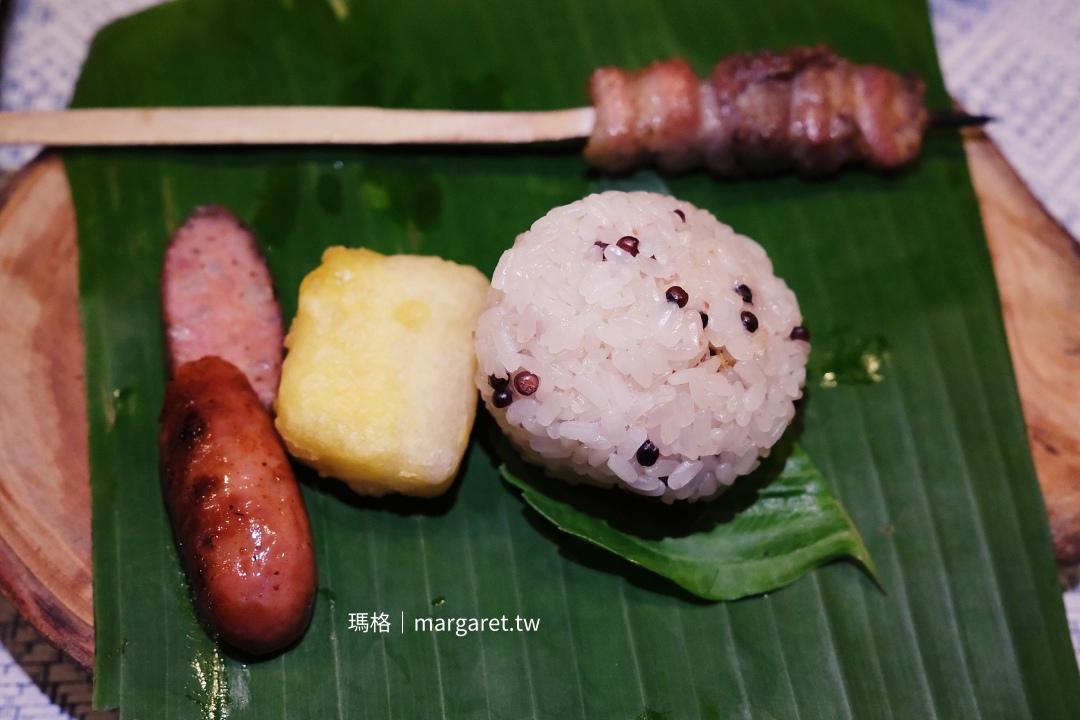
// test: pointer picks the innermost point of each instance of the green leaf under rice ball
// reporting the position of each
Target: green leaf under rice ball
(771, 528)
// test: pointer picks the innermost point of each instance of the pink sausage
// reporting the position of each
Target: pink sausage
(218, 299)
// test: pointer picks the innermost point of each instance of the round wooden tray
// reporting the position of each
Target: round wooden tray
(45, 567)
(44, 464)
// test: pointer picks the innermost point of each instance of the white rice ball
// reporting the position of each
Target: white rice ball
(663, 398)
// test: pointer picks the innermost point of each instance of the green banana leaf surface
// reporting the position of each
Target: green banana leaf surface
(911, 411)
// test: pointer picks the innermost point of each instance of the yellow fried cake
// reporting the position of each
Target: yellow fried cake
(377, 386)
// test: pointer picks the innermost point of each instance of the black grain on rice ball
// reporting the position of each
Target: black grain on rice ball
(648, 454)
(629, 243)
(677, 295)
(681, 214)
(800, 333)
(749, 321)
(745, 294)
(526, 382)
(502, 398)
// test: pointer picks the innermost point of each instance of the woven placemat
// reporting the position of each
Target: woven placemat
(37, 681)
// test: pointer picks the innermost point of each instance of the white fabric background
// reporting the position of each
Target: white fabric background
(1019, 62)
(46, 44)
(20, 698)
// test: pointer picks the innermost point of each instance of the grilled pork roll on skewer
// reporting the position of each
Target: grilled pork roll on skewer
(804, 108)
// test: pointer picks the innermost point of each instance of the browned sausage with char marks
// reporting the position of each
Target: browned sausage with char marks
(236, 508)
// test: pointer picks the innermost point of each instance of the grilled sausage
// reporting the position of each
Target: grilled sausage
(237, 512)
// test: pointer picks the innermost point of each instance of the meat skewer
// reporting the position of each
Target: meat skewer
(805, 109)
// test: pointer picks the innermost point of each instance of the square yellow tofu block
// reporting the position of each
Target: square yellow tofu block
(377, 388)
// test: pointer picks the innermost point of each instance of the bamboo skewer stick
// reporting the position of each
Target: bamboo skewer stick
(312, 126)
(289, 126)
(957, 118)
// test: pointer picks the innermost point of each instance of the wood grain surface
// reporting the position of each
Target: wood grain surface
(45, 566)
(1037, 264)
(44, 463)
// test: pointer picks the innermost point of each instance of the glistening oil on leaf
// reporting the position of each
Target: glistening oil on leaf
(211, 692)
(846, 358)
(772, 527)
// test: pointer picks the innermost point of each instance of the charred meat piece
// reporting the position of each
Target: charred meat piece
(645, 117)
(804, 109)
(236, 509)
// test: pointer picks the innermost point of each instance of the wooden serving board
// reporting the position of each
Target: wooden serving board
(1037, 265)
(45, 565)
(44, 453)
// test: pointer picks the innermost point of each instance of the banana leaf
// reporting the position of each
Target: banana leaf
(927, 451)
